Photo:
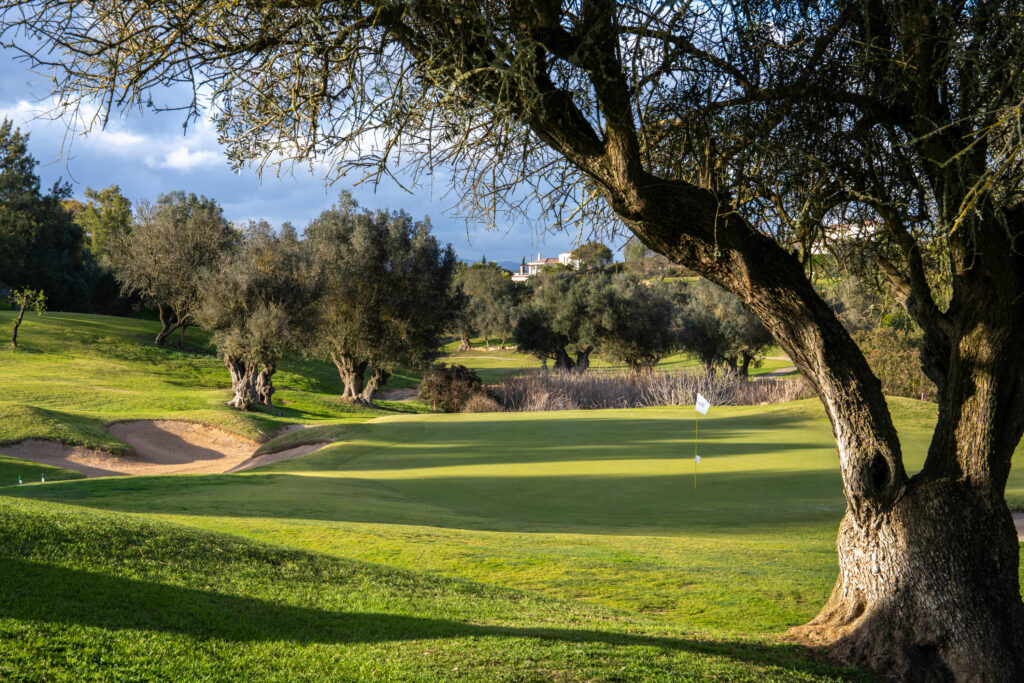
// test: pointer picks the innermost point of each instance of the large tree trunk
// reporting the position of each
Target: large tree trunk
(464, 344)
(583, 359)
(243, 383)
(181, 337)
(265, 384)
(378, 378)
(928, 589)
(352, 373)
(745, 360)
(562, 361)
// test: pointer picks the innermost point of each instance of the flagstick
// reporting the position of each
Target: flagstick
(696, 431)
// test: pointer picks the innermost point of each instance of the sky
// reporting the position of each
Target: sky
(147, 154)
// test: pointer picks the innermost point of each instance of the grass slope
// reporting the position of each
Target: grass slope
(591, 505)
(73, 374)
(569, 545)
(92, 596)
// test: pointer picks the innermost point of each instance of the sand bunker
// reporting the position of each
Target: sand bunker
(160, 447)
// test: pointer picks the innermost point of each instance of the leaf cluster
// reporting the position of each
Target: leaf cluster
(258, 299)
(171, 243)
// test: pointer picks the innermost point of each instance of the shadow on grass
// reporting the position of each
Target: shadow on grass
(725, 502)
(58, 595)
(496, 441)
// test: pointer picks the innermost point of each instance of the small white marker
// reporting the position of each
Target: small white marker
(20, 482)
(696, 458)
(42, 478)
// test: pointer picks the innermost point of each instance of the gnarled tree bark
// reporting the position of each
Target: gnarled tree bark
(352, 373)
(243, 383)
(251, 383)
(378, 378)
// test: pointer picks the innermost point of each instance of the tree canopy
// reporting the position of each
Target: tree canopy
(161, 258)
(105, 218)
(40, 244)
(388, 295)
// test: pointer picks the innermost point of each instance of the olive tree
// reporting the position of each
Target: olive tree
(734, 138)
(566, 310)
(258, 302)
(643, 323)
(169, 245)
(388, 296)
(491, 301)
(720, 331)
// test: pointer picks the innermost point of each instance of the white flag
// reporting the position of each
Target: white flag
(702, 405)
(697, 458)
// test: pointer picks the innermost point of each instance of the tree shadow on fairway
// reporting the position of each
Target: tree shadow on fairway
(61, 596)
(759, 501)
(401, 444)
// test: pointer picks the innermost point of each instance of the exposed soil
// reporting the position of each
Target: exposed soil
(159, 447)
(404, 394)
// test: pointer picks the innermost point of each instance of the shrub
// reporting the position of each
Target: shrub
(481, 403)
(449, 387)
(895, 358)
(624, 389)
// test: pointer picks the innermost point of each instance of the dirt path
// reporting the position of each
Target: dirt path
(781, 372)
(403, 394)
(160, 447)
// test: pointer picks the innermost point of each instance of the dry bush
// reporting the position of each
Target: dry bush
(617, 389)
(481, 403)
(449, 387)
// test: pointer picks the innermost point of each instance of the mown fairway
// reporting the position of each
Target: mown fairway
(567, 545)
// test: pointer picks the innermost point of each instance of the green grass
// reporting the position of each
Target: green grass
(73, 374)
(92, 595)
(597, 506)
(511, 546)
(12, 468)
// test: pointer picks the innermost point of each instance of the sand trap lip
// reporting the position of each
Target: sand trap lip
(160, 447)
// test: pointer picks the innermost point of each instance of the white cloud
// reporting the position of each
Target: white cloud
(195, 148)
(184, 159)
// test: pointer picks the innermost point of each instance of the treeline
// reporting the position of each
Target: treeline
(565, 316)
(368, 290)
(52, 243)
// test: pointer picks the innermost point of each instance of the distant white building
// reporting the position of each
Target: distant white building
(533, 267)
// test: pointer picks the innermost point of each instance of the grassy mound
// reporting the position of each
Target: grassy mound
(92, 595)
(12, 468)
(73, 374)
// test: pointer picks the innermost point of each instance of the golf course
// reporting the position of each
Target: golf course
(406, 545)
